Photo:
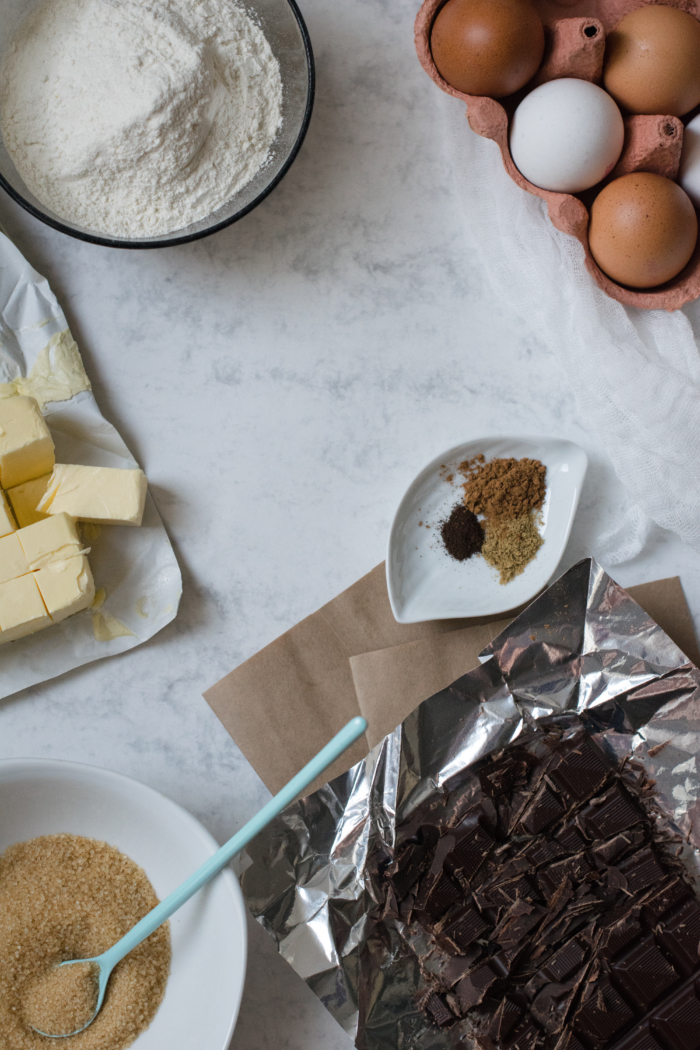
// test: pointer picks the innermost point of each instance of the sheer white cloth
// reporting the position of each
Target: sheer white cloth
(635, 373)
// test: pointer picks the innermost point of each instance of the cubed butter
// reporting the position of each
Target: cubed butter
(53, 539)
(26, 446)
(22, 609)
(103, 495)
(24, 499)
(13, 561)
(7, 521)
(66, 586)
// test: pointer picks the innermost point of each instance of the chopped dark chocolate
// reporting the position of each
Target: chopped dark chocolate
(679, 936)
(558, 915)
(609, 814)
(643, 974)
(581, 767)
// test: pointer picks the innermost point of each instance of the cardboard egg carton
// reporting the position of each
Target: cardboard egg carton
(575, 47)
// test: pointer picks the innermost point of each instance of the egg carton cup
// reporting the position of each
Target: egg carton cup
(575, 47)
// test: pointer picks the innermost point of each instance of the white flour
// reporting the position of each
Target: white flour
(138, 117)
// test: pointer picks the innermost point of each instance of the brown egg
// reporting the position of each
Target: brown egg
(487, 47)
(652, 61)
(643, 229)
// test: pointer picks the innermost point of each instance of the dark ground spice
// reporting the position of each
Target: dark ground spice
(462, 533)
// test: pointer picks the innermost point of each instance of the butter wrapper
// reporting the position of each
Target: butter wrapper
(583, 647)
(136, 573)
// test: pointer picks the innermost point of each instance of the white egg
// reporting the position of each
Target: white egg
(689, 177)
(566, 135)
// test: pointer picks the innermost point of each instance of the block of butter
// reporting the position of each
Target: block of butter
(13, 560)
(66, 586)
(7, 521)
(53, 539)
(24, 499)
(104, 495)
(26, 446)
(22, 609)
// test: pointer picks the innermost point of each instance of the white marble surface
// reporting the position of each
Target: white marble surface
(281, 383)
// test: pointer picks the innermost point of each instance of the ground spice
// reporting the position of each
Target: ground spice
(503, 488)
(66, 897)
(510, 544)
(462, 533)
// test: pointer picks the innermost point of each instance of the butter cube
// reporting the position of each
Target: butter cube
(22, 609)
(53, 539)
(13, 562)
(103, 495)
(7, 521)
(26, 447)
(66, 586)
(24, 499)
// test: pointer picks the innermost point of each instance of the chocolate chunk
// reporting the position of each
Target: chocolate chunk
(573, 868)
(474, 843)
(640, 1039)
(408, 868)
(602, 1015)
(444, 893)
(474, 985)
(642, 870)
(552, 1004)
(679, 937)
(581, 766)
(461, 927)
(525, 1038)
(504, 894)
(671, 892)
(609, 814)
(438, 1009)
(569, 1041)
(615, 848)
(544, 809)
(643, 974)
(617, 930)
(571, 838)
(508, 1014)
(545, 852)
(676, 1023)
(565, 962)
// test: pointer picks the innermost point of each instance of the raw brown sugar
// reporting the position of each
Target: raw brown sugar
(67, 897)
(63, 999)
(503, 488)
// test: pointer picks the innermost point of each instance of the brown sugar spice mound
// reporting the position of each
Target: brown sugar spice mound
(503, 488)
(67, 897)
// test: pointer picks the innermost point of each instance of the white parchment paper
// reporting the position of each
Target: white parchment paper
(136, 566)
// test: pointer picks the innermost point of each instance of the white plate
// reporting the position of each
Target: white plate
(208, 934)
(426, 584)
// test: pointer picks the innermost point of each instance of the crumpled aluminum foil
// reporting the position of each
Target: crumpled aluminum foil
(585, 647)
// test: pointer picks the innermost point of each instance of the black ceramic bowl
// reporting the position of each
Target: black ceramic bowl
(284, 27)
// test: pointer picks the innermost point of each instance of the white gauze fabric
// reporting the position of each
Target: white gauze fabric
(635, 373)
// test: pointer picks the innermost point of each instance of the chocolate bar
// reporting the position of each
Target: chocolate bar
(566, 919)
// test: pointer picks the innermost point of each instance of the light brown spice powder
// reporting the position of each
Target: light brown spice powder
(511, 544)
(66, 897)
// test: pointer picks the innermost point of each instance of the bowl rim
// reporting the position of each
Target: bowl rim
(187, 238)
(62, 766)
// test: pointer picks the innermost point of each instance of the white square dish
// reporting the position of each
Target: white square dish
(425, 583)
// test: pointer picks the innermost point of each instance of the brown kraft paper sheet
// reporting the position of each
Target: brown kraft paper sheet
(351, 657)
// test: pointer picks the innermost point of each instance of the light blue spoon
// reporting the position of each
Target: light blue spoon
(143, 929)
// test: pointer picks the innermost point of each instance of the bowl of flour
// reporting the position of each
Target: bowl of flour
(147, 123)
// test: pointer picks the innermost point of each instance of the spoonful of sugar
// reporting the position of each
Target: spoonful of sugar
(67, 998)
